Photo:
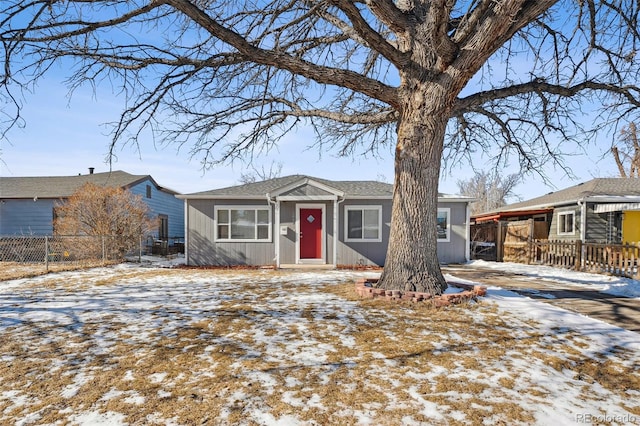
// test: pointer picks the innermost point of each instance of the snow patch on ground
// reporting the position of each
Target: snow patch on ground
(617, 286)
(160, 307)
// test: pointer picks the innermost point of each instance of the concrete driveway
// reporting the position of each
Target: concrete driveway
(621, 311)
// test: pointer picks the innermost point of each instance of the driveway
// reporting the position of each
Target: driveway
(621, 311)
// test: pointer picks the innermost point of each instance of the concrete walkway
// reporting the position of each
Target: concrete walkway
(621, 311)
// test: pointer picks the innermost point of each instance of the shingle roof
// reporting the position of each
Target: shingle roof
(350, 188)
(260, 189)
(63, 186)
(600, 187)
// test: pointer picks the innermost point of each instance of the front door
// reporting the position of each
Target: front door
(310, 233)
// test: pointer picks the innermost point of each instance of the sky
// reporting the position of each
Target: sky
(65, 136)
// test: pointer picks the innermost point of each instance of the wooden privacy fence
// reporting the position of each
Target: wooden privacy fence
(505, 241)
(618, 259)
(526, 241)
(565, 254)
(615, 259)
(517, 237)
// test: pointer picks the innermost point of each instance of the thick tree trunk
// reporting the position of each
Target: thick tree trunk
(412, 260)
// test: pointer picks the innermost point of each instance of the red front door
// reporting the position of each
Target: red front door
(310, 233)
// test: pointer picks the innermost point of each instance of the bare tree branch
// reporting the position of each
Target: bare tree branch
(628, 152)
(517, 81)
(323, 75)
(372, 37)
(389, 14)
(491, 189)
(631, 94)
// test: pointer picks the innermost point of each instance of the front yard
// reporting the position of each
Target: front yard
(133, 345)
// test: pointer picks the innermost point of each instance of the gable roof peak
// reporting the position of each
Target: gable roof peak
(272, 186)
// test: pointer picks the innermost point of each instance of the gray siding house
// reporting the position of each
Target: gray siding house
(306, 220)
(27, 203)
(605, 210)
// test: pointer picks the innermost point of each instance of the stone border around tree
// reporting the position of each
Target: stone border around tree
(365, 289)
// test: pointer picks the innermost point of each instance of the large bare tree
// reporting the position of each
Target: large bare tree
(490, 189)
(627, 151)
(231, 77)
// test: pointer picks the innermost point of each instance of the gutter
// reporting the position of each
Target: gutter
(336, 229)
(276, 231)
(186, 234)
(583, 219)
(583, 228)
(467, 232)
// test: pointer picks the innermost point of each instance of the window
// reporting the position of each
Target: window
(443, 225)
(148, 191)
(613, 227)
(243, 224)
(566, 223)
(363, 223)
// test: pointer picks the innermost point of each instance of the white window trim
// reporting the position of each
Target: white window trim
(244, 240)
(448, 211)
(346, 223)
(561, 220)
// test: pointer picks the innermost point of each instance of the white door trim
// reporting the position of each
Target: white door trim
(323, 259)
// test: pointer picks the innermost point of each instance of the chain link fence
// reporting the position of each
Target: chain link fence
(24, 256)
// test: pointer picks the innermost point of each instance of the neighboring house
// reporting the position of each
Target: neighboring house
(27, 203)
(601, 210)
(305, 220)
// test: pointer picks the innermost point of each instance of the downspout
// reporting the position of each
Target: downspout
(186, 233)
(467, 233)
(583, 219)
(276, 233)
(583, 230)
(336, 230)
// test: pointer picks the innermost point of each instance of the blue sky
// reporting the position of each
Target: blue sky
(67, 136)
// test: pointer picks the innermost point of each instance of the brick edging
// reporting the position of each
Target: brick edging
(364, 288)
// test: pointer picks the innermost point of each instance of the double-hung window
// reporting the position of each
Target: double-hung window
(566, 223)
(363, 223)
(443, 224)
(243, 224)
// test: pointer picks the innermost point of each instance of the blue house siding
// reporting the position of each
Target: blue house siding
(162, 203)
(26, 217)
(25, 210)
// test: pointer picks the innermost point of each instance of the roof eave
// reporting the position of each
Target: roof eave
(219, 197)
(457, 199)
(368, 197)
(611, 198)
(504, 214)
(589, 199)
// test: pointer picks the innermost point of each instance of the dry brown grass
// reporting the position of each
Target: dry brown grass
(16, 270)
(386, 362)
